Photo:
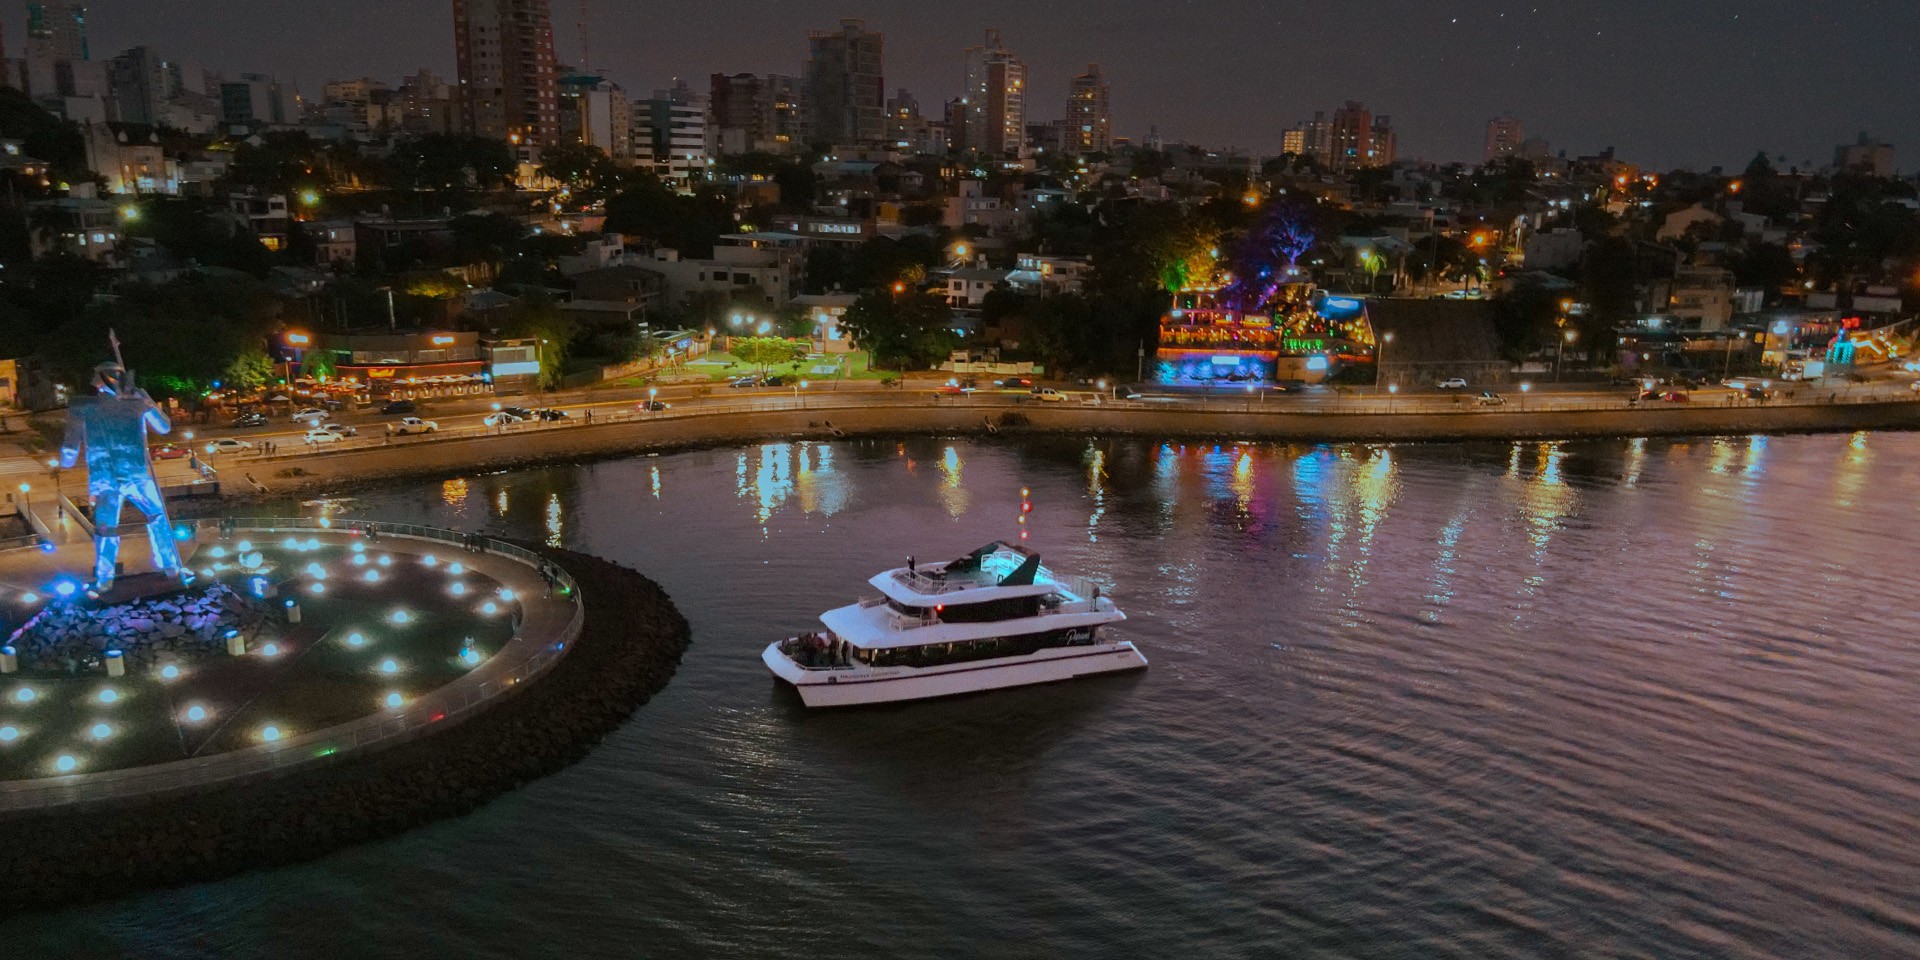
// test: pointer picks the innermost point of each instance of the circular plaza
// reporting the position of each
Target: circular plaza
(292, 642)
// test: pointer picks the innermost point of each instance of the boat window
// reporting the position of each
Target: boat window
(945, 654)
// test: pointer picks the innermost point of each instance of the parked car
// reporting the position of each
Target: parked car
(501, 418)
(1488, 398)
(411, 425)
(1048, 395)
(229, 445)
(399, 407)
(312, 415)
(250, 420)
(316, 437)
(169, 451)
(1451, 383)
(652, 406)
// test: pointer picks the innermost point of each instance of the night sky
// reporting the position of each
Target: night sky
(1668, 82)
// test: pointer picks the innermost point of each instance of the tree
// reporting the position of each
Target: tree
(764, 352)
(453, 164)
(911, 328)
(689, 224)
(249, 371)
(539, 318)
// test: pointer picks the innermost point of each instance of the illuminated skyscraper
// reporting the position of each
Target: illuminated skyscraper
(509, 86)
(1505, 136)
(1089, 115)
(996, 98)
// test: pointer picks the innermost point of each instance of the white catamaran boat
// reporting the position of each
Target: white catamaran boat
(994, 618)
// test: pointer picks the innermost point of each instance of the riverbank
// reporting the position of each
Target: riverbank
(629, 647)
(689, 427)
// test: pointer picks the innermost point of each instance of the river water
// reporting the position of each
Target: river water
(1608, 699)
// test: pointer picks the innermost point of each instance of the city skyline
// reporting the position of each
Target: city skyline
(1680, 87)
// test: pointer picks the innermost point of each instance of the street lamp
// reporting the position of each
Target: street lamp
(802, 385)
(26, 501)
(1393, 390)
(1380, 360)
(1525, 388)
(1560, 352)
(652, 392)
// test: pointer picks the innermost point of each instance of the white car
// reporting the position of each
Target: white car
(311, 415)
(1452, 383)
(339, 428)
(229, 445)
(501, 418)
(1490, 399)
(1048, 395)
(410, 425)
(315, 437)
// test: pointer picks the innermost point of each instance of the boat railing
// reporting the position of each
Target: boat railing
(924, 583)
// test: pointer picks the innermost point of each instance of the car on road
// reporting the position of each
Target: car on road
(521, 412)
(317, 436)
(339, 428)
(501, 418)
(170, 451)
(1488, 398)
(250, 420)
(311, 415)
(1764, 394)
(411, 425)
(229, 445)
(399, 407)
(960, 386)
(550, 415)
(753, 381)
(1451, 383)
(654, 406)
(1048, 395)
(1014, 383)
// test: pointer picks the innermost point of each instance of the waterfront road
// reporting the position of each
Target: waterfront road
(469, 418)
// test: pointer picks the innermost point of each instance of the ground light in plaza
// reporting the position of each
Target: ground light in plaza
(217, 694)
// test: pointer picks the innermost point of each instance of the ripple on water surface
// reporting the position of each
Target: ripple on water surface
(1612, 699)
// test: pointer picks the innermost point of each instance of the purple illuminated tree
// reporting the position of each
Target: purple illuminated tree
(1268, 257)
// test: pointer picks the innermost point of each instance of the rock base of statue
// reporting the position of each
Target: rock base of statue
(150, 619)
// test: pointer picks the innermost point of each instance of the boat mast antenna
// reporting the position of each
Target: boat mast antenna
(1026, 507)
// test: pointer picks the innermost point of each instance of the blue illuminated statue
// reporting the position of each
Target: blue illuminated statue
(112, 427)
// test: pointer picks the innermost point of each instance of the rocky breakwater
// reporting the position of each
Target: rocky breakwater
(628, 649)
(181, 627)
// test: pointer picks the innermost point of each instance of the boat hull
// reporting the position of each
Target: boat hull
(862, 686)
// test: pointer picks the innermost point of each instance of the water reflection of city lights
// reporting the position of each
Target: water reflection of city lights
(454, 492)
(555, 524)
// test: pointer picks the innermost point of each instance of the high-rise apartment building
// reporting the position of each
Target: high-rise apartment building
(1505, 137)
(58, 69)
(1089, 127)
(1354, 139)
(846, 84)
(752, 113)
(509, 81)
(996, 98)
(595, 111)
(670, 134)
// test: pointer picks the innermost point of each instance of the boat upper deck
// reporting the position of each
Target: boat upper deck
(996, 571)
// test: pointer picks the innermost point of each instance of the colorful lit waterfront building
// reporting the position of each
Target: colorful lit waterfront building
(1300, 334)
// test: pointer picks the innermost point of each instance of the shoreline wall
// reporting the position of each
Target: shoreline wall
(583, 443)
